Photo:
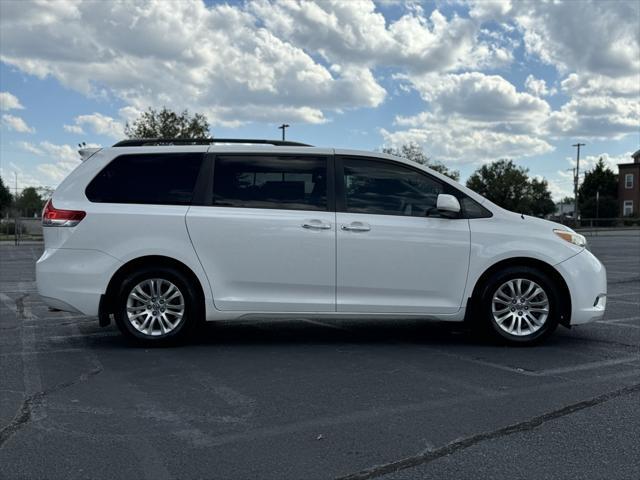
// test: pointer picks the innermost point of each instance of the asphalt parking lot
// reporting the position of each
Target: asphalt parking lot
(309, 399)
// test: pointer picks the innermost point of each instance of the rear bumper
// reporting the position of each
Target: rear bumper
(586, 278)
(74, 279)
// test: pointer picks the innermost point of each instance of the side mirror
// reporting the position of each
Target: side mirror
(447, 203)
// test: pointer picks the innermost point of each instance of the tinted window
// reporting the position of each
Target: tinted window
(297, 183)
(388, 189)
(163, 179)
(473, 209)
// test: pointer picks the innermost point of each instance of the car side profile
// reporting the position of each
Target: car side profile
(161, 234)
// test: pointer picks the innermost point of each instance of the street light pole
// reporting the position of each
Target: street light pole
(283, 127)
(576, 180)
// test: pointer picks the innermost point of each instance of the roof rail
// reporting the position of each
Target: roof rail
(141, 142)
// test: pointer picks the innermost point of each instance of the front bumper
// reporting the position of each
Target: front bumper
(586, 279)
(74, 279)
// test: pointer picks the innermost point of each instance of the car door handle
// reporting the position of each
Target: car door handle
(356, 227)
(317, 226)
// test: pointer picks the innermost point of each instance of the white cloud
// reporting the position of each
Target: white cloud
(593, 36)
(592, 84)
(129, 114)
(16, 124)
(538, 87)
(598, 37)
(31, 148)
(102, 125)
(62, 159)
(597, 117)
(588, 162)
(460, 141)
(354, 32)
(473, 118)
(9, 101)
(596, 47)
(299, 61)
(24, 179)
(477, 96)
(562, 185)
(489, 9)
(217, 60)
(73, 129)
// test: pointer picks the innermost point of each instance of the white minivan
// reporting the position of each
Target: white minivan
(161, 234)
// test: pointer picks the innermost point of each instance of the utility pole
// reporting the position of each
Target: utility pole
(15, 211)
(576, 179)
(573, 170)
(283, 127)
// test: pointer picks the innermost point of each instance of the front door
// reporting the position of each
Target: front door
(395, 253)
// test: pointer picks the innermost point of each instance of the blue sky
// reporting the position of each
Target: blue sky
(469, 81)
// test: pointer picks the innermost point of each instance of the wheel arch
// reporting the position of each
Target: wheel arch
(107, 302)
(565, 309)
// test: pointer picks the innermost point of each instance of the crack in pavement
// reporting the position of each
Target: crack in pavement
(463, 444)
(35, 400)
(24, 414)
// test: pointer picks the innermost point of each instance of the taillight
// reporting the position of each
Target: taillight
(54, 217)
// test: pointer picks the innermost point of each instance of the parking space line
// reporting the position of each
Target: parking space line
(62, 338)
(615, 324)
(628, 302)
(589, 365)
(543, 373)
(40, 352)
(625, 294)
(324, 324)
(617, 320)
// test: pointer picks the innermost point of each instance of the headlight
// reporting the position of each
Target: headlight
(572, 237)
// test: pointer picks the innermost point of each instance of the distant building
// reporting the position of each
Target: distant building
(629, 186)
(564, 209)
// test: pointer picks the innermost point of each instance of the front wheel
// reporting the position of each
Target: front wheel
(520, 306)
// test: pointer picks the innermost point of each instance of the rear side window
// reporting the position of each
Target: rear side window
(385, 188)
(288, 182)
(162, 179)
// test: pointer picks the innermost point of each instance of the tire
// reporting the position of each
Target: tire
(531, 318)
(165, 317)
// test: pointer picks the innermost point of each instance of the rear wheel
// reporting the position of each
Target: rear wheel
(519, 305)
(156, 306)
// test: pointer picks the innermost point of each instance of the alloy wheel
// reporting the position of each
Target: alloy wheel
(520, 307)
(155, 307)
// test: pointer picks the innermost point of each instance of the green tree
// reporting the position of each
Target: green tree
(29, 202)
(508, 185)
(165, 123)
(540, 201)
(503, 183)
(45, 193)
(5, 197)
(599, 179)
(413, 151)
